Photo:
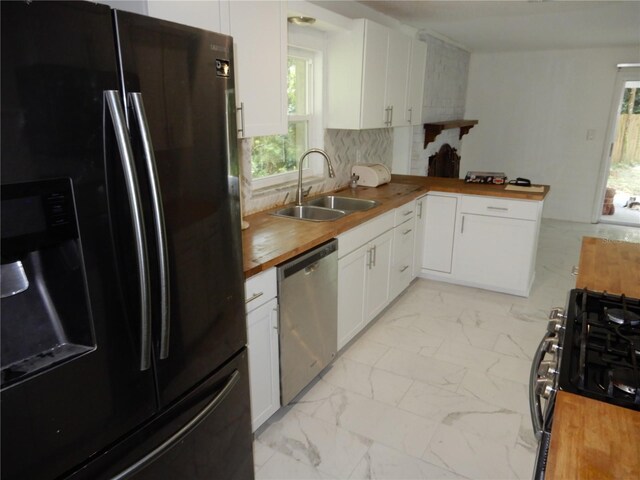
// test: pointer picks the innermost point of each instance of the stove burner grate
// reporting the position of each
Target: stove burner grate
(621, 316)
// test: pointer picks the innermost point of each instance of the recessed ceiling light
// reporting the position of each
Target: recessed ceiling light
(302, 20)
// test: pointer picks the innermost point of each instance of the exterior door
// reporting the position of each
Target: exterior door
(57, 60)
(185, 77)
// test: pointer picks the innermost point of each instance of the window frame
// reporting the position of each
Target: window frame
(313, 118)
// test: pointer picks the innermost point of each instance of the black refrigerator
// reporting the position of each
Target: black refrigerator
(122, 312)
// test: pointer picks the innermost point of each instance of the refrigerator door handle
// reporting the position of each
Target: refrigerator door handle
(112, 98)
(158, 220)
(184, 431)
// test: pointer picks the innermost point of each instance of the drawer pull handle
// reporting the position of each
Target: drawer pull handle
(502, 209)
(254, 296)
(407, 232)
(408, 213)
(404, 268)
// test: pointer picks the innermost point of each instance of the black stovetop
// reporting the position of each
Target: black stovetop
(601, 357)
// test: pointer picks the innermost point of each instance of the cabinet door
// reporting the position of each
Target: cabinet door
(398, 55)
(205, 15)
(376, 38)
(378, 273)
(402, 263)
(418, 241)
(259, 31)
(495, 252)
(439, 229)
(264, 370)
(351, 294)
(415, 89)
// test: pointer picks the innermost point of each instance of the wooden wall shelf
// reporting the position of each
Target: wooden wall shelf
(432, 130)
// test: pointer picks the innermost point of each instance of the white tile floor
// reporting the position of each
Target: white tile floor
(435, 388)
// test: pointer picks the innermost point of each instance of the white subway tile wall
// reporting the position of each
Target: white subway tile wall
(445, 89)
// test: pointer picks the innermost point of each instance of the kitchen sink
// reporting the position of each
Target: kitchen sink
(342, 203)
(309, 212)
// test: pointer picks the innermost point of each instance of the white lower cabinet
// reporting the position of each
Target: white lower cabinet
(363, 274)
(481, 241)
(351, 294)
(377, 275)
(495, 252)
(439, 230)
(262, 345)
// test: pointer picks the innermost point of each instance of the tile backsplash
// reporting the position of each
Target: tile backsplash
(344, 147)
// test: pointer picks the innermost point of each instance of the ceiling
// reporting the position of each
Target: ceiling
(512, 25)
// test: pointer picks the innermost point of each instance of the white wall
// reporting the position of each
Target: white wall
(534, 110)
(445, 87)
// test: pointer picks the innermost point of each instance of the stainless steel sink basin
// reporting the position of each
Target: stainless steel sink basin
(313, 213)
(342, 203)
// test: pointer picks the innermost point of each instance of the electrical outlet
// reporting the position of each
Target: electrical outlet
(591, 134)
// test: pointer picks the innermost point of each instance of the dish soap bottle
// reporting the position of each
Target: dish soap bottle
(354, 180)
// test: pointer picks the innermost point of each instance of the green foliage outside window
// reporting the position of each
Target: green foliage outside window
(631, 101)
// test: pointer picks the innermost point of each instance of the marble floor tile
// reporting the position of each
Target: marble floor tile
(313, 396)
(496, 391)
(464, 412)
(365, 351)
(426, 369)
(383, 423)
(470, 455)
(367, 381)
(284, 467)
(384, 463)
(437, 385)
(403, 338)
(322, 445)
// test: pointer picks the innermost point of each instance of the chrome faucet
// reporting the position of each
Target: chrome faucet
(332, 174)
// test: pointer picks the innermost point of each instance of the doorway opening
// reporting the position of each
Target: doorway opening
(621, 196)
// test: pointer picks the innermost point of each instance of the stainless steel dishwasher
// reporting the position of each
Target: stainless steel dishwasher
(308, 296)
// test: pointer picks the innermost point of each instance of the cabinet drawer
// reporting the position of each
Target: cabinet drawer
(403, 236)
(500, 207)
(358, 236)
(260, 288)
(404, 213)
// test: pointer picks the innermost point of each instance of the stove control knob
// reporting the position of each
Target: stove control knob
(557, 313)
(548, 369)
(551, 346)
(555, 326)
(544, 387)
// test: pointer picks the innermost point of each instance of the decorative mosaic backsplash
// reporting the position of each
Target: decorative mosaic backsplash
(344, 147)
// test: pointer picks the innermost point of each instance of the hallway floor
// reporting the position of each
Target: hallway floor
(436, 387)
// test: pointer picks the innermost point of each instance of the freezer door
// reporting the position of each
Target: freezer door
(204, 436)
(184, 78)
(71, 379)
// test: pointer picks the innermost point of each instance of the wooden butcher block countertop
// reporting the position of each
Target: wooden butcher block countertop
(609, 265)
(271, 240)
(592, 439)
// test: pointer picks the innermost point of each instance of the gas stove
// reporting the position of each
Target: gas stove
(591, 348)
(600, 348)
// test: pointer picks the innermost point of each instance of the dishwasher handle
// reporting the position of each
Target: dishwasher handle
(308, 261)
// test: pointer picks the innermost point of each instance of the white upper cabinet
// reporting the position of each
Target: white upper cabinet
(398, 55)
(368, 70)
(374, 65)
(205, 15)
(259, 31)
(415, 88)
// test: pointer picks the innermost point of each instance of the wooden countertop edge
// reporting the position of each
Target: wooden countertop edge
(317, 233)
